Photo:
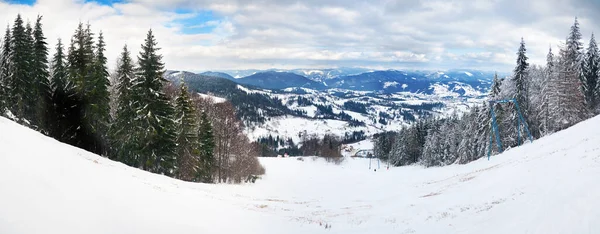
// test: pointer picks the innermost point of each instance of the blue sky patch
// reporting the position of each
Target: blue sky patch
(22, 2)
(199, 22)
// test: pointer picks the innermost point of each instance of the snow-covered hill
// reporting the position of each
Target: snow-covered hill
(549, 186)
(381, 100)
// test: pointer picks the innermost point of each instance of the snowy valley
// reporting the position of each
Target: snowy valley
(360, 104)
(548, 186)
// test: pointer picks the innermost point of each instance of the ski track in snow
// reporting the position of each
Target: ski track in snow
(549, 186)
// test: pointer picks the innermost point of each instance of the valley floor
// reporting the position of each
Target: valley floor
(549, 186)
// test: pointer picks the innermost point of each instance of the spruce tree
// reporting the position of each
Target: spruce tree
(64, 117)
(121, 128)
(571, 102)
(4, 72)
(547, 95)
(188, 163)
(520, 80)
(590, 75)
(155, 128)
(207, 145)
(40, 76)
(97, 109)
(20, 84)
(495, 90)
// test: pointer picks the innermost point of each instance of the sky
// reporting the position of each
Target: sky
(206, 35)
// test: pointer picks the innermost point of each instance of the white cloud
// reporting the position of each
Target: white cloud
(285, 33)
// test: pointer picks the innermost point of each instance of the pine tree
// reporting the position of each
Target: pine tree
(495, 90)
(40, 76)
(4, 71)
(64, 118)
(520, 79)
(206, 142)
(121, 128)
(590, 75)
(20, 84)
(98, 110)
(188, 162)
(571, 101)
(548, 91)
(155, 128)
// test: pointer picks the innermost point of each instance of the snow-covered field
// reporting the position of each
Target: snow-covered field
(550, 186)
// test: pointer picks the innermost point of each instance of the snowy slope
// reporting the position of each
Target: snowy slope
(550, 186)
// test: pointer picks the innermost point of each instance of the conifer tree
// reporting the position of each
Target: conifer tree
(155, 128)
(520, 80)
(64, 120)
(20, 83)
(570, 99)
(590, 74)
(4, 71)
(97, 109)
(207, 145)
(40, 76)
(495, 90)
(188, 162)
(548, 91)
(121, 129)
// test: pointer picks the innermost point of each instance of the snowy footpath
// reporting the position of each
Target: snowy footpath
(550, 186)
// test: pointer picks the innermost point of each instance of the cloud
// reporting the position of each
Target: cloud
(201, 35)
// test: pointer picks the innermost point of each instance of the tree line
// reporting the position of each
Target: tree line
(553, 97)
(134, 115)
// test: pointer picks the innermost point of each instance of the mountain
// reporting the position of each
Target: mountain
(552, 184)
(321, 75)
(392, 81)
(387, 101)
(252, 107)
(279, 80)
(462, 82)
(217, 74)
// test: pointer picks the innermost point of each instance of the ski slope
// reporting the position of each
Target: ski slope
(549, 186)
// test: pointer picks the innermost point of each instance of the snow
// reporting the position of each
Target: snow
(352, 149)
(404, 86)
(249, 91)
(297, 127)
(390, 84)
(214, 99)
(549, 186)
(468, 74)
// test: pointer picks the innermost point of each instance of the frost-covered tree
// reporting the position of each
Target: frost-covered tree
(591, 70)
(520, 80)
(4, 71)
(570, 107)
(547, 95)
(495, 90)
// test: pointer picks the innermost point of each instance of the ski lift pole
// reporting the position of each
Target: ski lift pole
(523, 120)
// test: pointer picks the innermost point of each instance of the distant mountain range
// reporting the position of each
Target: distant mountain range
(464, 82)
(343, 102)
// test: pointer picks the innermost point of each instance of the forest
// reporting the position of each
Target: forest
(132, 115)
(552, 97)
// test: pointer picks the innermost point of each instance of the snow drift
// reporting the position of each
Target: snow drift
(549, 186)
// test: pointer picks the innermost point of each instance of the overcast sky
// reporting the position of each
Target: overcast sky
(381, 34)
